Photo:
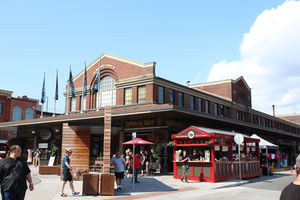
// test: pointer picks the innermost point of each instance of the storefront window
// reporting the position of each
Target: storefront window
(1, 105)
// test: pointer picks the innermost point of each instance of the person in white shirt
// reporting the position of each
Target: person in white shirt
(119, 163)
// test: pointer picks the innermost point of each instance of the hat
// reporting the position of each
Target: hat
(298, 161)
(68, 150)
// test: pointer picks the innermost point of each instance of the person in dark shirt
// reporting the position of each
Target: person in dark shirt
(185, 166)
(292, 191)
(67, 176)
(13, 175)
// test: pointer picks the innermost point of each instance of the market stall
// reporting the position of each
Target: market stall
(213, 155)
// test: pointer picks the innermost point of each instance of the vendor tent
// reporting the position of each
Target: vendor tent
(264, 144)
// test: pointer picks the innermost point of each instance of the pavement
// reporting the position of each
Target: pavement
(47, 187)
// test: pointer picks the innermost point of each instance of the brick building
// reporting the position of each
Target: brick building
(15, 109)
(132, 98)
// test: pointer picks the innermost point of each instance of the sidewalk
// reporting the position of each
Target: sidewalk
(48, 187)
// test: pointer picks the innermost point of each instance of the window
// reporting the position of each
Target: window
(160, 95)
(83, 102)
(142, 94)
(227, 111)
(128, 96)
(180, 99)
(28, 113)
(73, 104)
(207, 110)
(107, 96)
(171, 96)
(17, 111)
(1, 107)
(192, 102)
(199, 104)
(222, 110)
(216, 109)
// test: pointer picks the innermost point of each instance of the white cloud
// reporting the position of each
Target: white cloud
(270, 60)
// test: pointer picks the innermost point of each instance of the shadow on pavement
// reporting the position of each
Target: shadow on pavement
(261, 179)
(147, 184)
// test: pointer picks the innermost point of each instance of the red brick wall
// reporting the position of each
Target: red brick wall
(149, 93)
(222, 89)
(293, 118)
(23, 104)
(118, 70)
(134, 94)
(240, 93)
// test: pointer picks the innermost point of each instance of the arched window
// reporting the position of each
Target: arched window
(107, 93)
(17, 111)
(28, 113)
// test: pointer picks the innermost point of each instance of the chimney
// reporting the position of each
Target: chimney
(273, 107)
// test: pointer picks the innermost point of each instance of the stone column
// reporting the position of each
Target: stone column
(107, 139)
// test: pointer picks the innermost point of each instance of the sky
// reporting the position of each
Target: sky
(197, 41)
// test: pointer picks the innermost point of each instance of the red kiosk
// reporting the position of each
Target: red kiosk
(214, 155)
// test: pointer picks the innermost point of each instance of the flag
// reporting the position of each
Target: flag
(43, 92)
(56, 88)
(71, 83)
(96, 84)
(84, 81)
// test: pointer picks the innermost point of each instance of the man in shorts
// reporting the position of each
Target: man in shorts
(67, 176)
(119, 163)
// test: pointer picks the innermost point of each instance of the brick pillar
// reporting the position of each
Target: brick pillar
(107, 139)
(121, 140)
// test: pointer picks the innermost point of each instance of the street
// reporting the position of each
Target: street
(160, 187)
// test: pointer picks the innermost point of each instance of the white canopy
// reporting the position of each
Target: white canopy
(263, 144)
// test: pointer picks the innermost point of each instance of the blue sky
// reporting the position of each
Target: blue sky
(185, 38)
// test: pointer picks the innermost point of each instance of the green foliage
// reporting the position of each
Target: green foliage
(100, 156)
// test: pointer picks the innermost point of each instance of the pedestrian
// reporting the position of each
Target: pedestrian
(67, 176)
(142, 162)
(128, 167)
(185, 166)
(136, 166)
(13, 175)
(37, 156)
(292, 191)
(147, 163)
(119, 164)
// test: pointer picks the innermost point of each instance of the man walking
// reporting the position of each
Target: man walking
(67, 176)
(292, 191)
(13, 175)
(119, 164)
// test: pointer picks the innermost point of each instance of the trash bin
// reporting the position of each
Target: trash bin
(90, 184)
(107, 183)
